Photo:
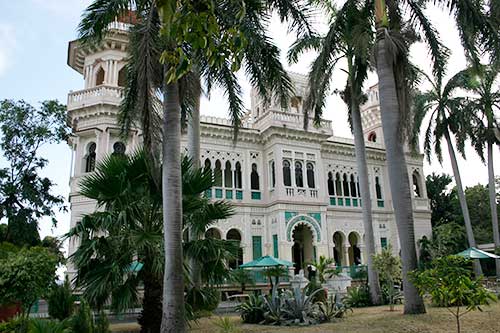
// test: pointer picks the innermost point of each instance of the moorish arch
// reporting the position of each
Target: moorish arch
(235, 234)
(339, 243)
(304, 232)
(354, 240)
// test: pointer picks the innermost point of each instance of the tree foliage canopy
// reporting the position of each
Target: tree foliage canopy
(26, 196)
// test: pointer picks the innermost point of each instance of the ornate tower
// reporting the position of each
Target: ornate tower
(92, 112)
(370, 117)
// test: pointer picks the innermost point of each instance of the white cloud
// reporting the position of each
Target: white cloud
(7, 44)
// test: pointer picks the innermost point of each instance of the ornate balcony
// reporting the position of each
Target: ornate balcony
(103, 94)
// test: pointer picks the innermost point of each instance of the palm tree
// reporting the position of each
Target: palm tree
(324, 268)
(351, 37)
(478, 32)
(486, 99)
(177, 38)
(446, 115)
(122, 244)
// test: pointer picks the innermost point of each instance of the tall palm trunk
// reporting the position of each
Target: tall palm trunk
(493, 204)
(193, 134)
(150, 317)
(462, 199)
(398, 175)
(364, 187)
(193, 145)
(173, 284)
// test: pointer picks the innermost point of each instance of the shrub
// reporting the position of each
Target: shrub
(101, 324)
(252, 311)
(203, 299)
(48, 326)
(450, 284)
(225, 325)
(298, 307)
(81, 321)
(357, 297)
(16, 325)
(61, 301)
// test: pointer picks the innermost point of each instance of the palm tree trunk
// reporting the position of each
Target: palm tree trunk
(173, 285)
(398, 176)
(364, 188)
(493, 204)
(150, 317)
(462, 199)
(193, 149)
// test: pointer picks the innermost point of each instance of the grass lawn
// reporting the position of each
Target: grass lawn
(375, 319)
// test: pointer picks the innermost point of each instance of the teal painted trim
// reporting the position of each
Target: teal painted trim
(208, 193)
(383, 242)
(257, 247)
(275, 246)
(333, 201)
(303, 218)
(229, 194)
(355, 202)
(239, 195)
(316, 216)
(341, 201)
(255, 195)
(380, 203)
(289, 215)
(348, 202)
(315, 253)
(218, 193)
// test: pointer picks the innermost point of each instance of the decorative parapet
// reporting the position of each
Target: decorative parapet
(94, 96)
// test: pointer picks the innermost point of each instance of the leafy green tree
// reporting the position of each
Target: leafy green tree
(350, 36)
(389, 268)
(242, 277)
(131, 218)
(25, 196)
(440, 198)
(450, 284)
(324, 268)
(61, 301)
(448, 239)
(26, 276)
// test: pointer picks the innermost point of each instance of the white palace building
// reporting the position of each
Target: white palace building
(295, 192)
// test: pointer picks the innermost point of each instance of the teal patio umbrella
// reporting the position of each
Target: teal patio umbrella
(267, 261)
(473, 253)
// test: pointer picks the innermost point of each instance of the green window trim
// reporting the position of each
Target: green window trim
(333, 201)
(355, 202)
(341, 201)
(383, 242)
(348, 202)
(257, 247)
(239, 195)
(256, 195)
(275, 246)
(218, 193)
(229, 194)
(208, 193)
(380, 203)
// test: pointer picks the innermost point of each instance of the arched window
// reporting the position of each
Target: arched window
(354, 192)
(338, 184)
(287, 175)
(119, 148)
(378, 188)
(234, 235)
(91, 157)
(218, 174)
(254, 178)
(122, 77)
(299, 176)
(208, 165)
(345, 185)
(310, 175)
(213, 233)
(99, 78)
(372, 137)
(357, 186)
(237, 175)
(273, 174)
(416, 184)
(228, 175)
(331, 186)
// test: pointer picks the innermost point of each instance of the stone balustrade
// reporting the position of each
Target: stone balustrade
(98, 95)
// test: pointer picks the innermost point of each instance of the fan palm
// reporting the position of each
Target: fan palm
(350, 36)
(447, 114)
(483, 104)
(121, 243)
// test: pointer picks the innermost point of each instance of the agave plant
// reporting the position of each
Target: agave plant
(332, 309)
(298, 307)
(273, 301)
(252, 311)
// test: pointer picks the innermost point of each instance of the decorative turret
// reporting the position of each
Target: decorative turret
(274, 115)
(370, 117)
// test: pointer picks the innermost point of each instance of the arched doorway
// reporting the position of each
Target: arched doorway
(354, 251)
(338, 248)
(302, 249)
(234, 234)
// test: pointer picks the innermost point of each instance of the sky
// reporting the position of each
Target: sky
(34, 36)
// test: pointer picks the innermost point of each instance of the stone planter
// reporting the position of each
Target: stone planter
(338, 284)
